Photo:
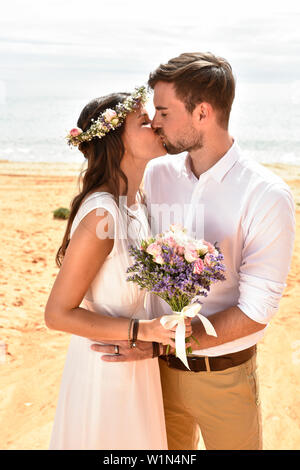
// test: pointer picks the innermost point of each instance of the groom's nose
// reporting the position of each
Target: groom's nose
(154, 123)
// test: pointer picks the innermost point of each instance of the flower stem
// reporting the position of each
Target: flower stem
(195, 339)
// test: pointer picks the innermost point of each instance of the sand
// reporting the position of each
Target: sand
(32, 357)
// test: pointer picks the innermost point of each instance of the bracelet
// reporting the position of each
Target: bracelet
(156, 350)
(135, 332)
(129, 330)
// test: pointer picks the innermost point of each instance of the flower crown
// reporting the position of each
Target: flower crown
(109, 120)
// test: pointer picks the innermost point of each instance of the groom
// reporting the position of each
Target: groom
(250, 213)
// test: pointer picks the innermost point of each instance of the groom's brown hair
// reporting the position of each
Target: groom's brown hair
(199, 77)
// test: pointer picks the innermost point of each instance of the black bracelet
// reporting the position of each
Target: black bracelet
(155, 349)
(129, 332)
(135, 332)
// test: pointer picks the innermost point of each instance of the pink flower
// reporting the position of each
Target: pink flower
(211, 248)
(190, 253)
(158, 259)
(191, 246)
(154, 249)
(170, 242)
(180, 250)
(198, 266)
(75, 131)
(208, 260)
(109, 114)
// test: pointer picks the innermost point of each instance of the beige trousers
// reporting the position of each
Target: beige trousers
(223, 405)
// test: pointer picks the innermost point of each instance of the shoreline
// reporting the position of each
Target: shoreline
(32, 357)
(285, 170)
(11, 168)
(58, 170)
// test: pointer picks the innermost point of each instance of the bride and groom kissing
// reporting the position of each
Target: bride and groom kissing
(120, 389)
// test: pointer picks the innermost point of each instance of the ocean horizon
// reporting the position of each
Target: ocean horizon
(263, 121)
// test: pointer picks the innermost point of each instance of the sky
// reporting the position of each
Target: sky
(67, 44)
(56, 55)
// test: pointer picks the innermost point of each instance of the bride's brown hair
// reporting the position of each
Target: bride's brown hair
(103, 160)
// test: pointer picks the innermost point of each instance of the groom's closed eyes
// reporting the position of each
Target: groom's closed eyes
(161, 108)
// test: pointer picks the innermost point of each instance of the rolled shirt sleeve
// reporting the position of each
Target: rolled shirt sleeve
(269, 233)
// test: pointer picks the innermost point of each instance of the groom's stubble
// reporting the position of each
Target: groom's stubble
(189, 142)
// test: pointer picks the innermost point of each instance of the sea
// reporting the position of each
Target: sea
(265, 121)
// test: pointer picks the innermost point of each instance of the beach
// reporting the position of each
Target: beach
(32, 357)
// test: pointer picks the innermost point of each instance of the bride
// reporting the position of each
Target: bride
(106, 405)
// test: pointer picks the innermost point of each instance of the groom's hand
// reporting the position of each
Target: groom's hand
(143, 350)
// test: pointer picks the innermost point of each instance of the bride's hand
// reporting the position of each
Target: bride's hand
(153, 330)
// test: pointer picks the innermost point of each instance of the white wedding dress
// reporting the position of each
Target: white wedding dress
(105, 405)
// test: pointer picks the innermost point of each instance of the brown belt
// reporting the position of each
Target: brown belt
(201, 363)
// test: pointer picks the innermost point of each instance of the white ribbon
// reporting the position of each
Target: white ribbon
(169, 321)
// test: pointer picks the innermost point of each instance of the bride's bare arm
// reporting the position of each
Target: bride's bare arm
(84, 258)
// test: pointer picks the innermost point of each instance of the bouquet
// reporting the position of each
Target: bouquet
(180, 270)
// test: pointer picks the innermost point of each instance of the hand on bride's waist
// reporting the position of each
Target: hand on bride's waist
(142, 350)
(120, 351)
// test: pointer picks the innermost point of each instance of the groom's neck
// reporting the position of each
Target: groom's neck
(215, 146)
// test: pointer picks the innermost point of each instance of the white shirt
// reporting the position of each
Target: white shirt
(249, 211)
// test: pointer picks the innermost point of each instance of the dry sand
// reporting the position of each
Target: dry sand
(32, 357)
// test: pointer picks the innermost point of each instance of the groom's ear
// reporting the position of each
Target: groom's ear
(201, 113)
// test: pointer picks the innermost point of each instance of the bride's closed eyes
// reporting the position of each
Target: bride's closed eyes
(145, 120)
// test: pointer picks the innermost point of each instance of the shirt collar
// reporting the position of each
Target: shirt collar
(219, 169)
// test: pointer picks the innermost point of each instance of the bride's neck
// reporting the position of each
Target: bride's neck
(133, 187)
(134, 175)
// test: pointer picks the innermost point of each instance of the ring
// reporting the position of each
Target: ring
(116, 349)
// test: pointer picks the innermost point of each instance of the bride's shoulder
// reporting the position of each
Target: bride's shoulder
(95, 200)
(97, 209)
